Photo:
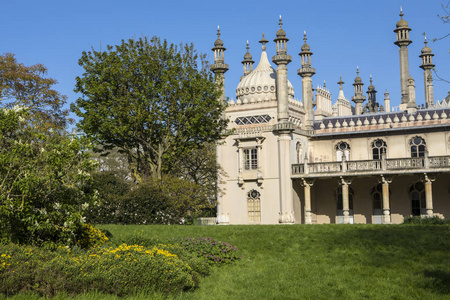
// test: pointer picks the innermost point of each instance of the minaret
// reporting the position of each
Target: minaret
(283, 129)
(247, 62)
(427, 65)
(358, 98)
(219, 67)
(306, 72)
(282, 59)
(403, 41)
(372, 98)
(387, 102)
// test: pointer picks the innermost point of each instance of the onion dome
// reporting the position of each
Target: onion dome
(248, 57)
(281, 32)
(371, 87)
(218, 44)
(402, 23)
(260, 85)
(426, 49)
(357, 78)
(305, 47)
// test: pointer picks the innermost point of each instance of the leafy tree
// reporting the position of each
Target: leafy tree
(149, 99)
(28, 86)
(44, 179)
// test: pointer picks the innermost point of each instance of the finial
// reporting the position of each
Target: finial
(340, 82)
(247, 46)
(263, 41)
(281, 23)
(357, 70)
(401, 13)
(425, 34)
(370, 78)
(304, 36)
(218, 31)
(324, 84)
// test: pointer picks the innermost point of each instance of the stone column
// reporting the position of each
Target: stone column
(286, 214)
(345, 182)
(429, 194)
(307, 183)
(385, 181)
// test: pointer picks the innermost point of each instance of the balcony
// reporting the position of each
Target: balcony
(431, 164)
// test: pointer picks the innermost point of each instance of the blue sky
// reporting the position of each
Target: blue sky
(341, 34)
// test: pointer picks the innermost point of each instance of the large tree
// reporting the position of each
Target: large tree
(151, 100)
(29, 86)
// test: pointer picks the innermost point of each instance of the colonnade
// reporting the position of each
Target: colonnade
(345, 182)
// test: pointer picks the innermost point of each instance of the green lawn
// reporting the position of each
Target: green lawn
(316, 262)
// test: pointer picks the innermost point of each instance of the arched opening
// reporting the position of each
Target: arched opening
(418, 146)
(254, 206)
(378, 149)
(377, 202)
(342, 150)
(418, 202)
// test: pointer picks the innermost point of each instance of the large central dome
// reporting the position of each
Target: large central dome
(261, 84)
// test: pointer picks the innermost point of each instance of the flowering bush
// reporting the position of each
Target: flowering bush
(45, 175)
(115, 270)
(91, 237)
(215, 252)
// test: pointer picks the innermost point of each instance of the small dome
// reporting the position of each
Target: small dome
(218, 42)
(248, 56)
(281, 33)
(305, 47)
(426, 49)
(402, 23)
(358, 79)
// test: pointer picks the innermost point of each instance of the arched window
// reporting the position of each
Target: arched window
(418, 146)
(377, 196)
(340, 204)
(418, 203)
(342, 149)
(378, 148)
(377, 201)
(254, 206)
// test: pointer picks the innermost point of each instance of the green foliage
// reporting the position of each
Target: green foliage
(91, 237)
(27, 86)
(215, 252)
(435, 220)
(168, 201)
(116, 270)
(150, 100)
(44, 176)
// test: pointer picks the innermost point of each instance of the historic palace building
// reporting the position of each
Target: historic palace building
(314, 161)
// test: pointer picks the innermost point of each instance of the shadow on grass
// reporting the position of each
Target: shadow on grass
(441, 281)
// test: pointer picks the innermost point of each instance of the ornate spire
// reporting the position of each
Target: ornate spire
(247, 62)
(263, 41)
(340, 82)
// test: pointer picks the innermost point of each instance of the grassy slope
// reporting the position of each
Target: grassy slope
(316, 262)
(322, 261)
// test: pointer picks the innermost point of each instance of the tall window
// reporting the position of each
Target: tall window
(378, 149)
(418, 146)
(418, 203)
(377, 196)
(254, 206)
(342, 149)
(251, 159)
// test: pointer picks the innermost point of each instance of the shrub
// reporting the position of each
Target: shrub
(91, 237)
(44, 178)
(435, 220)
(214, 252)
(118, 270)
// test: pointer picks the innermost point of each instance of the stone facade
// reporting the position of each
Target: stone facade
(311, 161)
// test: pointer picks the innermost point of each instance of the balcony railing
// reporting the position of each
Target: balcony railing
(394, 164)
